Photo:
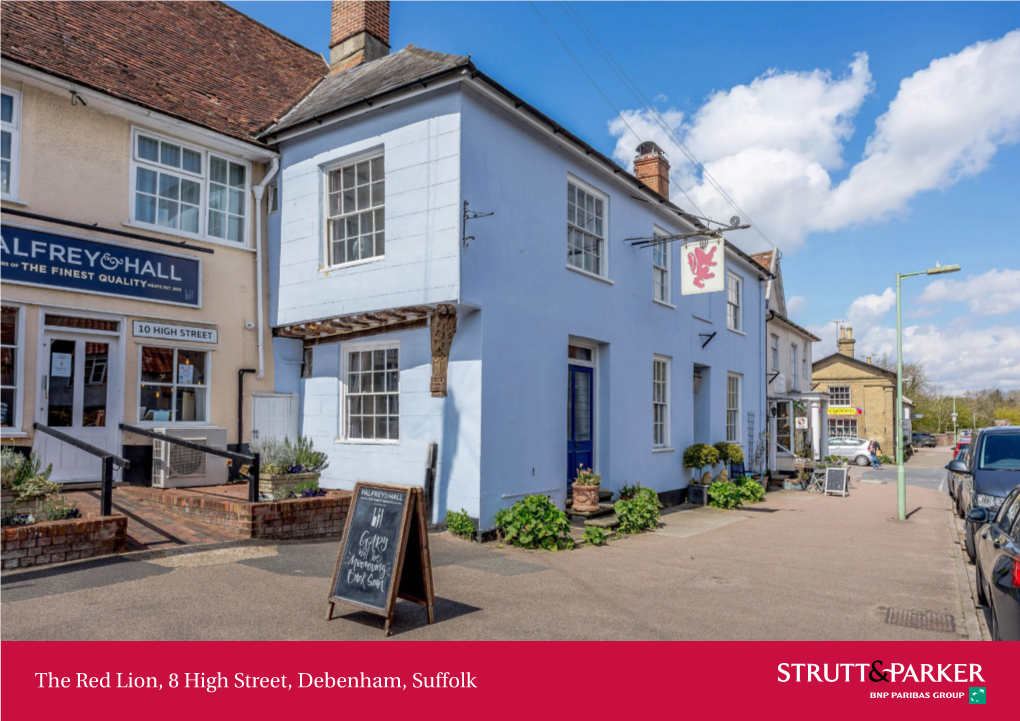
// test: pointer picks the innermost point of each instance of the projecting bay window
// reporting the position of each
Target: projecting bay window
(586, 244)
(10, 142)
(187, 190)
(174, 386)
(372, 394)
(355, 212)
(660, 402)
(733, 383)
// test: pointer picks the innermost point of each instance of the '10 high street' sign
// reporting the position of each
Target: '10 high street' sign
(35, 257)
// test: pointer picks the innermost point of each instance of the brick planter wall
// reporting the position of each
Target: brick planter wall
(56, 541)
(303, 518)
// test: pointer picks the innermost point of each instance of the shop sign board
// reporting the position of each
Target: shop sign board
(38, 258)
(703, 267)
(170, 331)
(845, 411)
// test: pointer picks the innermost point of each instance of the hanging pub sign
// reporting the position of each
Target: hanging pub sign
(35, 257)
(384, 553)
(702, 266)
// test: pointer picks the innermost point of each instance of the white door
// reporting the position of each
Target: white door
(274, 416)
(78, 374)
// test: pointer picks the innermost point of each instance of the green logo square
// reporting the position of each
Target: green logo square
(977, 694)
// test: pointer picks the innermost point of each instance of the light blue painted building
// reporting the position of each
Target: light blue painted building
(572, 346)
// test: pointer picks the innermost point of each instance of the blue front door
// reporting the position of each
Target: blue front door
(580, 449)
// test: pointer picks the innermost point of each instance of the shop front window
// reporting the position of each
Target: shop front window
(10, 355)
(174, 385)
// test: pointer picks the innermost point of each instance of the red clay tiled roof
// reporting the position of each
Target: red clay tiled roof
(764, 259)
(202, 62)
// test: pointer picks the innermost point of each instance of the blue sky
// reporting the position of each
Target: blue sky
(686, 52)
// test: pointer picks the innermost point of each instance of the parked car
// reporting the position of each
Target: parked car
(954, 480)
(990, 471)
(998, 565)
(853, 449)
(923, 440)
(960, 445)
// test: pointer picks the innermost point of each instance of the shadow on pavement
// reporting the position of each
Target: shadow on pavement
(409, 616)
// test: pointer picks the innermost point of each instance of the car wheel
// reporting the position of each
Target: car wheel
(862, 461)
(982, 597)
(959, 507)
(968, 542)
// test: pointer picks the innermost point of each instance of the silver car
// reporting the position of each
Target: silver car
(853, 449)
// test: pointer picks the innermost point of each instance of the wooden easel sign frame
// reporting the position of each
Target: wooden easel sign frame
(384, 553)
(836, 481)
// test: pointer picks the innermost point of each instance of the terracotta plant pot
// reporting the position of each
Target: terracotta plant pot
(586, 498)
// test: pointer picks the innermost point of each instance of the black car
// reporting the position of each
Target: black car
(998, 565)
(990, 471)
(923, 440)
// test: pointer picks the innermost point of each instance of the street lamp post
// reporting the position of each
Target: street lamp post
(901, 476)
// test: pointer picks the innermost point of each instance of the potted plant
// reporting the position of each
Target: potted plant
(24, 483)
(730, 454)
(628, 491)
(698, 456)
(586, 489)
(286, 467)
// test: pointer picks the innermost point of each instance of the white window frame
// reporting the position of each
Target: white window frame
(735, 322)
(273, 199)
(661, 388)
(849, 397)
(736, 436)
(804, 372)
(327, 170)
(14, 128)
(794, 377)
(345, 354)
(174, 385)
(845, 423)
(17, 427)
(666, 270)
(204, 180)
(774, 347)
(603, 273)
(780, 448)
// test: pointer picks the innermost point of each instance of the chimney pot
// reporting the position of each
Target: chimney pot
(360, 33)
(652, 168)
(846, 341)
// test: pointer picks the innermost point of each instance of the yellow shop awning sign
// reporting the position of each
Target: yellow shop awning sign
(845, 411)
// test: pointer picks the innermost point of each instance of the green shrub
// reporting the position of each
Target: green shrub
(25, 474)
(460, 523)
(594, 536)
(279, 458)
(640, 513)
(534, 522)
(750, 490)
(700, 455)
(724, 495)
(886, 460)
(57, 510)
(729, 452)
(36, 487)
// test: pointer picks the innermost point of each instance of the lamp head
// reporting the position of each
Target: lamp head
(940, 269)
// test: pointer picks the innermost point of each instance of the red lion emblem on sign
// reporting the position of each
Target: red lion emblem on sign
(701, 264)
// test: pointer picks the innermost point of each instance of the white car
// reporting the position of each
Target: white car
(855, 450)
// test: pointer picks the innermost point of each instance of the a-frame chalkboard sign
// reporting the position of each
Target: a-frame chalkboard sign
(384, 552)
(836, 480)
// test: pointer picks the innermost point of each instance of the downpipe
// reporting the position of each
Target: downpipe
(259, 191)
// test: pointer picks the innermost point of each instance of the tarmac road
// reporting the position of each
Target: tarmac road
(926, 468)
(800, 566)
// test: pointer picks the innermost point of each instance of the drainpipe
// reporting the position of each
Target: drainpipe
(258, 191)
(241, 373)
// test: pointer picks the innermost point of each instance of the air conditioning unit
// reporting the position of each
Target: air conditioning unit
(174, 466)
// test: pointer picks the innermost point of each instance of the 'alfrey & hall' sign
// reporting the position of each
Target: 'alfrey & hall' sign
(35, 257)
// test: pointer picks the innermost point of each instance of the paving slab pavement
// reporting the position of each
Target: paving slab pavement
(797, 567)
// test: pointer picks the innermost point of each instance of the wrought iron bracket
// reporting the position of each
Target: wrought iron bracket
(465, 217)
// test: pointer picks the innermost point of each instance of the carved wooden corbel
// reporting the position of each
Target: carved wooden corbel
(443, 322)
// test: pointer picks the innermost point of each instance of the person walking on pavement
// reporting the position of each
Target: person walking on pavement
(875, 450)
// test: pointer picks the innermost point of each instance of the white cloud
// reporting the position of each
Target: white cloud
(961, 355)
(795, 305)
(869, 308)
(662, 98)
(993, 293)
(773, 142)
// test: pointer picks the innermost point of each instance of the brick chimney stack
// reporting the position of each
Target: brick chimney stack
(652, 168)
(360, 33)
(846, 341)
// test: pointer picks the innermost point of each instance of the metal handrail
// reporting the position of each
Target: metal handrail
(82, 445)
(109, 459)
(253, 459)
